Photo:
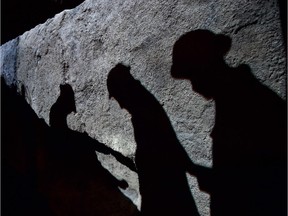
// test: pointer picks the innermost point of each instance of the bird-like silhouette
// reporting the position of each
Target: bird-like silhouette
(54, 170)
(73, 160)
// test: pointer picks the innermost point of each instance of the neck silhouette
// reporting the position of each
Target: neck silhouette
(64, 105)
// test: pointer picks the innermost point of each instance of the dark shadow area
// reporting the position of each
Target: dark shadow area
(160, 159)
(20, 133)
(18, 16)
(54, 170)
(249, 173)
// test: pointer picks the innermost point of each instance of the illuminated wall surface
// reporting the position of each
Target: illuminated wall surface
(147, 107)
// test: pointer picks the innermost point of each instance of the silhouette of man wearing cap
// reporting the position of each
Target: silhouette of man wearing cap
(249, 136)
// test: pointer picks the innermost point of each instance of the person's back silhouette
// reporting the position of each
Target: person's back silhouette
(249, 137)
(160, 159)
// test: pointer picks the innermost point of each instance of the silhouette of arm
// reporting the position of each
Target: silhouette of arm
(204, 175)
(124, 160)
(102, 148)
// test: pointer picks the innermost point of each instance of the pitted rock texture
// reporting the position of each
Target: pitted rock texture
(80, 47)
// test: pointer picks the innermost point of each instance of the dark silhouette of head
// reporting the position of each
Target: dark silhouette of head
(119, 83)
(64, 105)
(198, 56)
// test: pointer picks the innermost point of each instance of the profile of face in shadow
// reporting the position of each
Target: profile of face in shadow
(160, 159)
(198, 57)
(249, 136)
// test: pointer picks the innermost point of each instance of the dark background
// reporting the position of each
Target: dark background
(18, 16)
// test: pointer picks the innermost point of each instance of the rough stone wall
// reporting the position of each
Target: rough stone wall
(80, 47)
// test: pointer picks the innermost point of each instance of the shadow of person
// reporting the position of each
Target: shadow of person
(54, 170)
(160, 159)
(77, 179)
(249, 136)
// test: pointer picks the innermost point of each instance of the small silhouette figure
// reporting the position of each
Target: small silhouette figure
(74, 148)
(73, 179)
(160, 159)
(54, 170)
(249, 137)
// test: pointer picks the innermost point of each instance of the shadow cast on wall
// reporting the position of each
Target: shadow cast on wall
(249, 136)
(161, 161)
(54, 170)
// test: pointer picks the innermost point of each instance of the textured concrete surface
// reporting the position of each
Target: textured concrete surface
(80, 47)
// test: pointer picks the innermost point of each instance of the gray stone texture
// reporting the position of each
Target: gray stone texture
(80, 47)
